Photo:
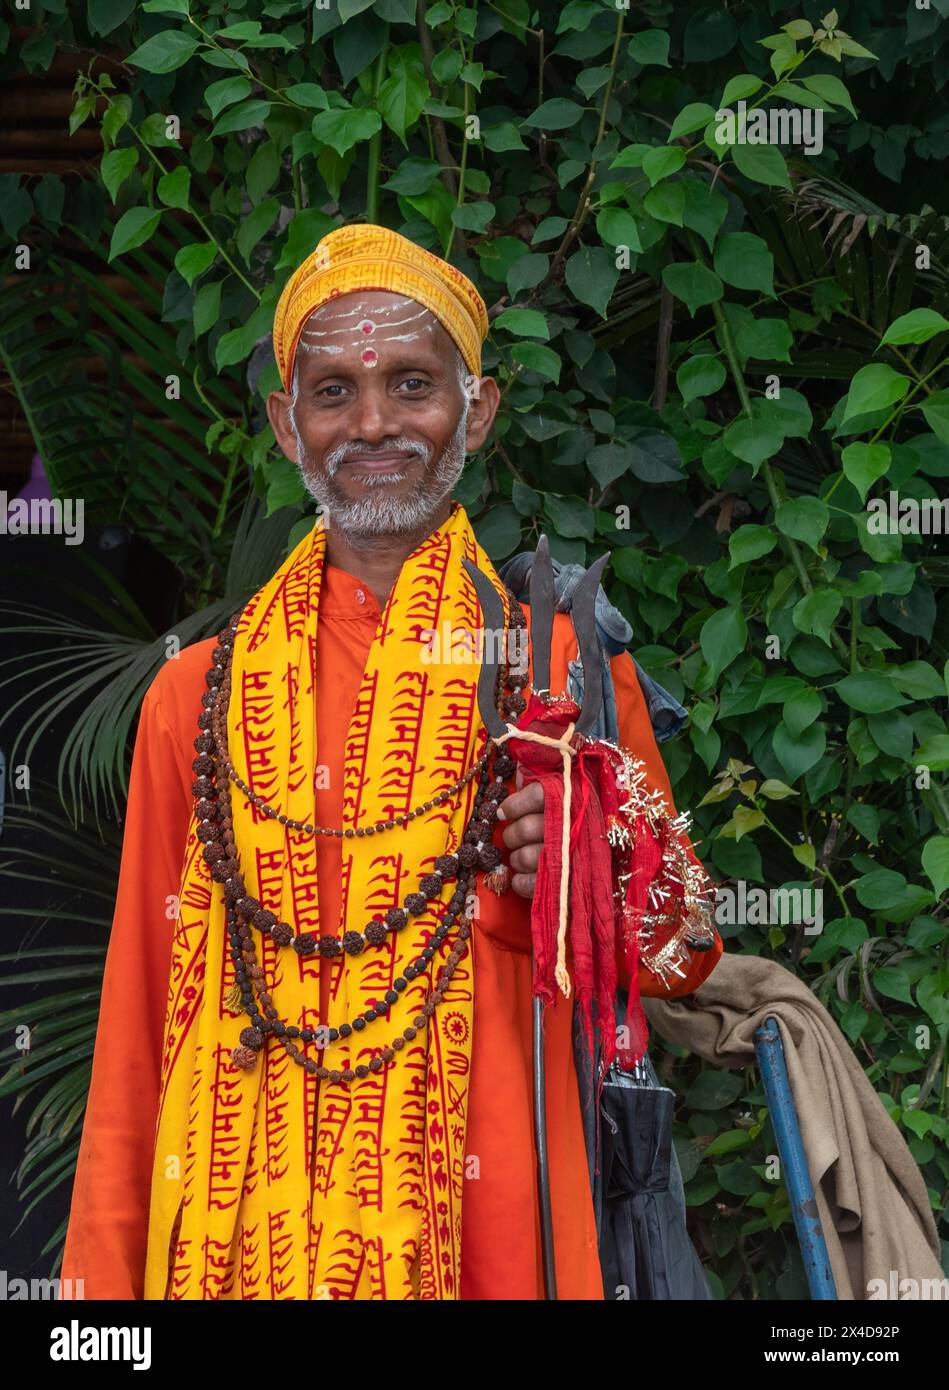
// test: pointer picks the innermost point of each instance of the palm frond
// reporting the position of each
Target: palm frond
(99, 675)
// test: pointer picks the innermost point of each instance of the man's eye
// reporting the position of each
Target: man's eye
(334, 387)
(415, 381)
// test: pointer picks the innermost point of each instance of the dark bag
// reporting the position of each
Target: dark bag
(645, 1250)
(638, 1197)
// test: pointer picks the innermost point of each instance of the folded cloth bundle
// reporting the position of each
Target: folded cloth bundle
(871, 1196)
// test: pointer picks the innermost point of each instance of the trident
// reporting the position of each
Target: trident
(591, 657)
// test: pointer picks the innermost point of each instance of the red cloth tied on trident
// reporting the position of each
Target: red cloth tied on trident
(594, 920)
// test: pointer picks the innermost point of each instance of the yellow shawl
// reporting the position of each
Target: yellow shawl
(379, 1214)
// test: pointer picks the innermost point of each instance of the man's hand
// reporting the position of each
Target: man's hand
(522, 815)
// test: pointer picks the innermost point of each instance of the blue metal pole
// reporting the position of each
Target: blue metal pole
(777, 1088)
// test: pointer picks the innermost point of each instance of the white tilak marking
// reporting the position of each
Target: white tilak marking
(384, 329)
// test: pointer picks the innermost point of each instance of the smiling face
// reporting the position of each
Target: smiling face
(381, 413)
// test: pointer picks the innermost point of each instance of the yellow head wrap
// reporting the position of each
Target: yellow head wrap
(363, 256)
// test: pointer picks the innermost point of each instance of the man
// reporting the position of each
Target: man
(374, 1161)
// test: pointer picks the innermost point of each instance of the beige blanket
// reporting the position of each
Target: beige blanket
(870, 1193)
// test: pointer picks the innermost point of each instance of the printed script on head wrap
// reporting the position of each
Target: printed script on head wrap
(367, 257)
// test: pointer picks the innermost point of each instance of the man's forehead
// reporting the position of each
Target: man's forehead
(384, 308)
(367, 322)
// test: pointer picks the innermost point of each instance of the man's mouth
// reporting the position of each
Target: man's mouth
(378, 463)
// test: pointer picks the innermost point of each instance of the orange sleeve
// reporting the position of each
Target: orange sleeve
(636, 734)
(108, 1220)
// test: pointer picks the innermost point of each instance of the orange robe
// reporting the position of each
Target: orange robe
(106, 1237)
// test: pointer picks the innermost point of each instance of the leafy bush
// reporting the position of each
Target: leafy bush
(714, 358)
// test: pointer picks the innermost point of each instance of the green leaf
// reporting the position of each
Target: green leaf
(936, 863)
(739, 89)
(713, 1090)
(767, 339)
(798, 755)
(750, 543)
(666, 203)
(710, 33)
(133, 229)
(816, 612)
(743, 260)
(695, 116)
(801, 710)
(341, 129)
(523, 323)
(865, 820)
(571, 516)
(537, 358)
(865, 463)
(763, 164)
(557, 114)
(934, 753)
(254, 226)
(609, 461)
(116, 167)
(192, 261)
(805, 854)
(662, 161)
(723, 637)
(402, 98)
(916, 327)
(775, 790)
(803, 518)
(616, 227)
(225, 93)
(728, 1142)
(591, 275)
(651, 47)
(242, 117)
(174, 188)
(935, 409)
(893, 982)
(881, 888)
(791, 414)
(106, 15)
(870, 692)
(704, 211)
(164, 52)
(693, 283)
(308, 94)
(874, 388)
(207, 307)
(655, 457)
(746, 819)
(700, 376)
(832, 90)
(919, 681)
(756, 439)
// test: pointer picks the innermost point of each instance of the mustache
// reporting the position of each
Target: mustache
(354, 448)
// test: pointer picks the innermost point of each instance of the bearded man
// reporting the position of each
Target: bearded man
(370, 1134)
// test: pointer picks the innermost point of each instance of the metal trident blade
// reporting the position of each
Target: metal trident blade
(492, 623)
(542, 616)
(591, 653)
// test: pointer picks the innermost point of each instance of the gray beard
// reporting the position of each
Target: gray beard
(383, 514)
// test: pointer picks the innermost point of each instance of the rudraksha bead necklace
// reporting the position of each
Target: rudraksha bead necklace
(216, 831)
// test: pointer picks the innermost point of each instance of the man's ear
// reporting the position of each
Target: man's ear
(279, 405)
(485, 400)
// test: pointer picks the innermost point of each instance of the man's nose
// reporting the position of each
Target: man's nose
(376, 414)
